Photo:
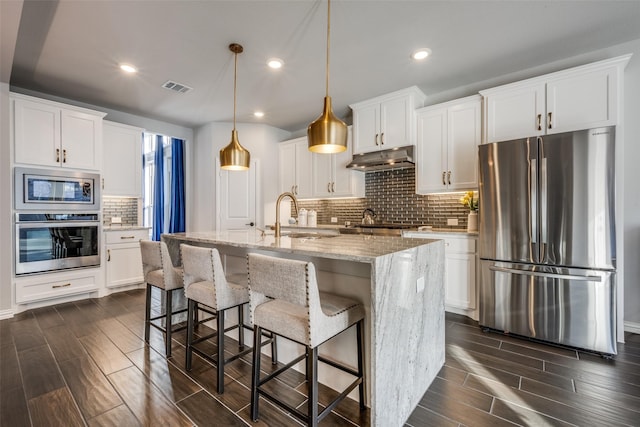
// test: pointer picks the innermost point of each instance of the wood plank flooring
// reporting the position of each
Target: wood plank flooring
(86, 364)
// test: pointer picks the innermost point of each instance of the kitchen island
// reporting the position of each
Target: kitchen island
(399, 281)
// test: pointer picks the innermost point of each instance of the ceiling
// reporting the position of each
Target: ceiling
(72, 48)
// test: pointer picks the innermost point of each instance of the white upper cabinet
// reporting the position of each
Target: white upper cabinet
(295, 167)
(331, 178)
(448, 139)
(48, 133)
(387, 121)
(579, 98)
(122, 160)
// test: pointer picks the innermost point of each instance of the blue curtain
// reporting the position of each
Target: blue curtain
(158, 191)
(176, 220)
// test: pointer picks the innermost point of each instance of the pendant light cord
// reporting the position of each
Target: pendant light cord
(328, 37)
(235, 84)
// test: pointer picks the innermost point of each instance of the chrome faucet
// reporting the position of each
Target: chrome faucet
(280, 197)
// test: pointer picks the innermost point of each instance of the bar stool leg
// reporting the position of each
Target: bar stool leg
(255, 377)
(220, 359)
(274, 349)
(190, 325)
(360, 338)
(241, 326)
(147, 314)
(312, 382)
(169, 308)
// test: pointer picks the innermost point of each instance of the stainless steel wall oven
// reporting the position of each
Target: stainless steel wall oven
(56, 241)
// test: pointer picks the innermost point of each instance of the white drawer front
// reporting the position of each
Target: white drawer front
(463, 245)
(126, 236)
(34, 290)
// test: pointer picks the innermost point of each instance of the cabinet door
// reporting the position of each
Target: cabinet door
(122, 160)
(431, 151)
(304, 177)
(81, 140)
(460, 280)
(582, 102)
(36, 133)
(287, 159)
(516, 113)
(395, 122)
(322, 176)
(366, 129)
(464, 125)
(124, 264)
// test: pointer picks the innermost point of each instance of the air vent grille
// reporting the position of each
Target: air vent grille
(177, 87)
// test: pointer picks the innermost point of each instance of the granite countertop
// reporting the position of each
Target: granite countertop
(349, 247)
(336, 228)
(123, 227)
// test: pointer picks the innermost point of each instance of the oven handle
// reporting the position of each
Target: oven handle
(57, 224)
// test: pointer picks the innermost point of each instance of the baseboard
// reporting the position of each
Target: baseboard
(633, 327)
(6, 314)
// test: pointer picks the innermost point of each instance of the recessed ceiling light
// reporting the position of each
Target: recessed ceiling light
(258, 114)
(275, 63)
(127, 68)
(421, 54)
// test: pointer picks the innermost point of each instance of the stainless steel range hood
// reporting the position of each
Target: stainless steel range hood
(393, 158)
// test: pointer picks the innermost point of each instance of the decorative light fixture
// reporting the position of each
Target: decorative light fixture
(234, 156)
(327, 134)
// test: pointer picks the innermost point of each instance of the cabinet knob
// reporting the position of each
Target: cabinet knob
(539, 121)
(550, 125)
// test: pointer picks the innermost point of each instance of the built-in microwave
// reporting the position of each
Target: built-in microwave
(51, 189)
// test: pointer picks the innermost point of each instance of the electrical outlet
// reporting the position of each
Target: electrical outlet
(452, 221)
(334, 219)
(116, 220)
(420, 284)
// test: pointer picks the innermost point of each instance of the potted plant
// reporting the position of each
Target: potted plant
(470, 200)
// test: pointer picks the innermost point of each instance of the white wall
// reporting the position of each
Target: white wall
(5, 202)
(262, 143)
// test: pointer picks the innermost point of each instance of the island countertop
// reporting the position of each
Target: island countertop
(347, 247)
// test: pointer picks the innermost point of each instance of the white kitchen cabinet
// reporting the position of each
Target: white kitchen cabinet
(50, 286)
(386, 121)
(331, 178)
(447, 147)
(460, 255)
(295, 167)
(123, 258)
(48, 133)
(578, 98)
(122, 160)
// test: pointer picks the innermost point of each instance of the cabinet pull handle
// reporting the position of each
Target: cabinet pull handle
(443, 181)
(64, 156)
(550, 125)
(61, 286)
(449, 177)
(109, 254)
(382, 138)
(539, 121)
(377, 139)
(333, 187)
(57, 155)
(328, 187)
(295, 189)
(103, 183)
(127, 237)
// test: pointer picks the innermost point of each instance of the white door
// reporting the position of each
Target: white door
(237, 198)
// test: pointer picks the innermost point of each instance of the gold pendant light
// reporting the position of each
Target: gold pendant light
(327, 134)
(235, 157)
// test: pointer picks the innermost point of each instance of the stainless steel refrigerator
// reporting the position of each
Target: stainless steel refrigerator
(547, 238)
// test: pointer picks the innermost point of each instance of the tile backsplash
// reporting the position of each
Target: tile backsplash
(124, 207)
(391, 195)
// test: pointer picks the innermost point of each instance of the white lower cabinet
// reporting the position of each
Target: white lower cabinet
(459, 270)
(123, 258)
(56, 285)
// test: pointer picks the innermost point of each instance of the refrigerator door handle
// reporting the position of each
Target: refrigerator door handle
(533, 180)
(550, 275)
(543, 200)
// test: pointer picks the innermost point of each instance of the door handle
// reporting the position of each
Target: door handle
(251, 224)
(533, 182)
(543, 274)
(543, 200)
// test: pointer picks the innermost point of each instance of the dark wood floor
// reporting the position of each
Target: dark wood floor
(85, 363)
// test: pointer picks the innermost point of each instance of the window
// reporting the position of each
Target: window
(148, 154)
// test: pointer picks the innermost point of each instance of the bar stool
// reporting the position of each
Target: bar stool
(160, 272)
(284, 299)
(207, 289)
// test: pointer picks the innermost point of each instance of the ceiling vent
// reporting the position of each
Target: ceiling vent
(177, 87)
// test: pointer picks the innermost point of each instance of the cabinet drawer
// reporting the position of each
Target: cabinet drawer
(125, 236)
(460, 245)
(44, 288)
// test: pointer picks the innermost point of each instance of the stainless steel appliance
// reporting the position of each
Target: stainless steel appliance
(547, 238)
(49, 242)
(56, 189)
(393, 158)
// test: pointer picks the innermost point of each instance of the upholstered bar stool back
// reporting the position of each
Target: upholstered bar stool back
(159, 272)
(284, 299)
